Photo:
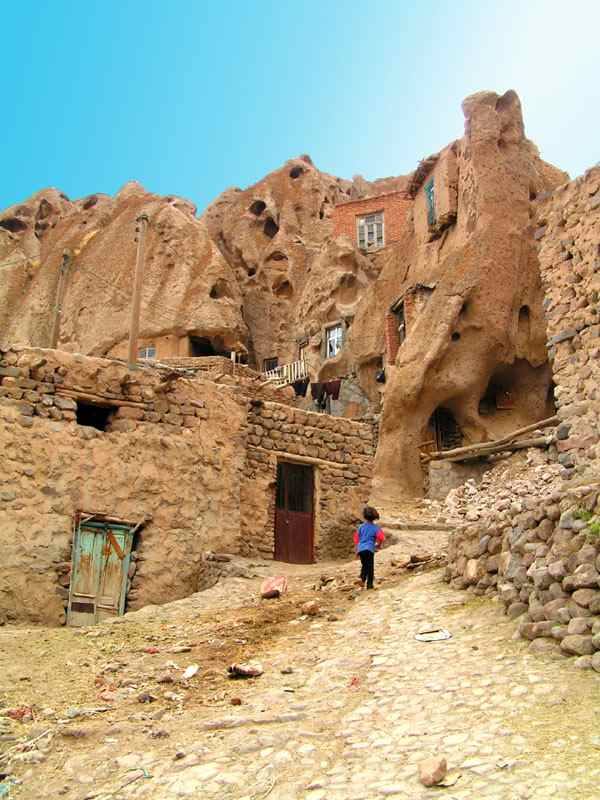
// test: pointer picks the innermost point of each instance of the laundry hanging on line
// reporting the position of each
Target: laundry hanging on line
(317, 391)
(301, 386)
(332, 388)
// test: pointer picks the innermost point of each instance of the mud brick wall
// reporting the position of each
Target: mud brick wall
(182, 469)
(568, 233)
(342, 453)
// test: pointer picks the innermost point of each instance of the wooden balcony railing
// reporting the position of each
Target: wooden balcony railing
(287, 373)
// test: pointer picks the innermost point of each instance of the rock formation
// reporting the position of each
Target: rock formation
(481, 325)
(262, 273)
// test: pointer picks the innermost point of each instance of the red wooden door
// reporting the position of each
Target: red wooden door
(294, 530)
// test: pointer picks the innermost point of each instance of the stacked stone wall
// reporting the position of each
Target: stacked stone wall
(542, 556)
(194, 458)
(168, 464)
(44, 384)
(541, 551)
(342, 454)
(569, 252)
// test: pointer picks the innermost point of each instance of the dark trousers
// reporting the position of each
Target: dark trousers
(367, 567)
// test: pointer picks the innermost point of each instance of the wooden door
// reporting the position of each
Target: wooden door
(101, 554)
(294, 518)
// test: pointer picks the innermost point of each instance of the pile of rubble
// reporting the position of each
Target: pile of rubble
(507, 484)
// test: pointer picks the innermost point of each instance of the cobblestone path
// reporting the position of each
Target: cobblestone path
(363, 704)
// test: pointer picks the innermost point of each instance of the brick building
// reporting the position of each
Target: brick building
(373, 222)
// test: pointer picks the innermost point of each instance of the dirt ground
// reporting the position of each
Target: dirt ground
(99, 676)
(346, 708)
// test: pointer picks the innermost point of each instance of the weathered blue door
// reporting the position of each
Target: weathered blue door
(101, 555)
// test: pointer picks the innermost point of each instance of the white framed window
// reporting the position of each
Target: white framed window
(148, 351)
(370, 231)
(333, 340)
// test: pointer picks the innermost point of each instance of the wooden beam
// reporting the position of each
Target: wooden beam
(494, 448)
(544, 423)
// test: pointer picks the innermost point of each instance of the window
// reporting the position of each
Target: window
(302, 352)
(399, 312)
(333, 340)
(370, 231)
(270, 363)
(149, 351)
(430, 198)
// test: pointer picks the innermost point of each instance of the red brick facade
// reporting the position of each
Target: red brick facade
(394, 206)
(392, 337)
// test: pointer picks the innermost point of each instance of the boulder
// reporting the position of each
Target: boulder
(585, 577)
(578, 645)
(580, 625)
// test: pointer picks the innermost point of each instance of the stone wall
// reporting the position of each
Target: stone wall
(342, 454)
(174, 451)
(569, 251)
(540, 551)
(542, 556)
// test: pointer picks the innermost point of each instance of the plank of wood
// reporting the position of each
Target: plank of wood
(544, 423)
(74, 394)
(539, 441)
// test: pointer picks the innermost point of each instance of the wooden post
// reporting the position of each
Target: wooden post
(60, 296)
(136, 301)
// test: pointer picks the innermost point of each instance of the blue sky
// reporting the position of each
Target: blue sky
(191, 97)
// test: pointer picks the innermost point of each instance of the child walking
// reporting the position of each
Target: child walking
(368, 538)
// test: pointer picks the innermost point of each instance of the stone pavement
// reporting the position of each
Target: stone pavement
(363, 704)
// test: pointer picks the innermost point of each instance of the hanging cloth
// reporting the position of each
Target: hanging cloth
(301, 386)
(317, 391)
(332, 388)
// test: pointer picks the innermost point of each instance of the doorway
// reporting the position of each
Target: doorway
(294, 513)
(101, 555)
(447, 431)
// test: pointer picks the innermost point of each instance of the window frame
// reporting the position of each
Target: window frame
(429, 190)
(329, 329)
(143, 352)
(362, 225)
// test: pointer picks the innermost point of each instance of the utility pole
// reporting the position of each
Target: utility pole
(136, 303)
(60, 296)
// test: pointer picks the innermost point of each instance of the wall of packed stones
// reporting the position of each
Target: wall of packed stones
(185, 475)
(342, 454)
(542, 556)
(40, 386)
(569, 253)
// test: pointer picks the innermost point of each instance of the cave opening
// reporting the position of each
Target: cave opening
(283, 289)
(296, 172)
(13, 224)
(202, 346)
(219, 290)
(270, 228)
(257, 207)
